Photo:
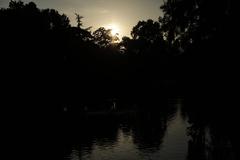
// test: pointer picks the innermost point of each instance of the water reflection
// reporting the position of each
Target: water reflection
(173, 131)
(210, 132)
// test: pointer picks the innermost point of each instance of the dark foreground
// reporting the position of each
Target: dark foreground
(169, 130)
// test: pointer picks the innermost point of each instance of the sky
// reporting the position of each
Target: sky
(119, 15)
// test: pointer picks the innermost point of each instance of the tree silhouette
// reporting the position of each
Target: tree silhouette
(16, 4)
(192, 45)
(79, 20)
(149, 31)
(103, 37)
(54, 20)
(193, 22)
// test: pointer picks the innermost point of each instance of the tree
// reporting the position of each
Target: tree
(147, 38)
(16, 4)
(103, 37)
(80, 33)
(54, 20)
(148, 31)
(79, 20)
(188, 23)
(125, 44)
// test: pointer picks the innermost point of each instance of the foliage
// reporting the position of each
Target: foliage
(157, 51)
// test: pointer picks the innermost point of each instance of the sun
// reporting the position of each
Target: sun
(114, 28)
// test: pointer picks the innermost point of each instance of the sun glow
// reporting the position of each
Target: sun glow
(114, 29)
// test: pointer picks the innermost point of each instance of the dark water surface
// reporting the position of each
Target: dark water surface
(164, 134)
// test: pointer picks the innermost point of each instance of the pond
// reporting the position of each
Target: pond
(162, 134)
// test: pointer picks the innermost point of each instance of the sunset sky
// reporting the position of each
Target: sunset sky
(119, 15)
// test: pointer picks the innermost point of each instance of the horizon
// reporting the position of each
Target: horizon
(104, 13)
(165, 92)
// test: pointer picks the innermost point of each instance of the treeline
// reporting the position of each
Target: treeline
(186, 48)
(192, 48)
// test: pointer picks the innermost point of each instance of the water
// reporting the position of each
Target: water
(162, 134)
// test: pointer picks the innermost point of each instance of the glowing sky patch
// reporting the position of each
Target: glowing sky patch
(99, 13)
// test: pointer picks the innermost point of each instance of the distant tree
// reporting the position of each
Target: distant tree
(186, 23)
(54, 20)
(130, 46)
(16, 4)
(125, 44)
(79, 20)
(203, 32)
(30, 29)
(103, 37)
(147, 38)
(149, 31)
(80, 33)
